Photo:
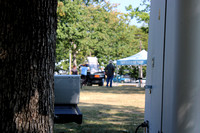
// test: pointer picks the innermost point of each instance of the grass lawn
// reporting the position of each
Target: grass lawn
(108, 110)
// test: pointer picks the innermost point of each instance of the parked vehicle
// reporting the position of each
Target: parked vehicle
(143, 81)
(94, 75)
(122, 79)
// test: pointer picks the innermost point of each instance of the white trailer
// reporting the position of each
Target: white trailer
(67, 93)
(173, 67)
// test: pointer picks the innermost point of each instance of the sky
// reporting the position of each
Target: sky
(123, 3)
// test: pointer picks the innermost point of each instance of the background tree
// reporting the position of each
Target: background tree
(141, 13)
(89, 2)
(27, 58)
(71, 28)
(97, 30)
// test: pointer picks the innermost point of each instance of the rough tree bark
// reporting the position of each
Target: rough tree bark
(27, 56)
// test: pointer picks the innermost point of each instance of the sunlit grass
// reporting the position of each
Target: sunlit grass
(108, 110)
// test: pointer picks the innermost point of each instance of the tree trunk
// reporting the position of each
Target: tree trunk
(27, 56)
(74, 53)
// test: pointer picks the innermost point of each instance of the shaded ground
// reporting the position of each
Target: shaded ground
(108, 110)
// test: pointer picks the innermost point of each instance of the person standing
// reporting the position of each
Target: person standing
(109, 71)
(74, 70)
(83, 75)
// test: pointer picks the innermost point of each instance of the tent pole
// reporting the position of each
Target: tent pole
(116, 75)
(140, 75)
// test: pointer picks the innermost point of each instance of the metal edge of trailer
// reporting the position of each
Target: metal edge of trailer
(67, 113)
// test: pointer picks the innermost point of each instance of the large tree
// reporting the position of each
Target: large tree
(141, 13)
(94, 30)
(27, 54)
(71, 28)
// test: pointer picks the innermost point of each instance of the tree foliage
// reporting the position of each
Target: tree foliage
(95, 28)
(141, 13)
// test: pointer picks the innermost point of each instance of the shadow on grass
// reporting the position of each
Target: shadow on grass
(101, 118)
(114, 90)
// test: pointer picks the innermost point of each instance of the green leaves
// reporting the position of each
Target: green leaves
(141, 13)
(96, 30)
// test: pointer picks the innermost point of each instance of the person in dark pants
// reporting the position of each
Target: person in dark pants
(109, 71)
(74, 70)
(83, 75)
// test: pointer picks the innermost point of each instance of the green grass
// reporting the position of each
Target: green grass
(108, 110)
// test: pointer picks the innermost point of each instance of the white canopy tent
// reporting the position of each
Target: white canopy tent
(139, 59)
